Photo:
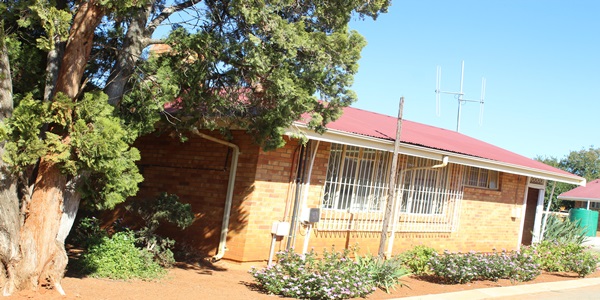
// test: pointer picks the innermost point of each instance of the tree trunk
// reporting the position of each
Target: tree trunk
(44, 258)
(135, 41)
(53, 61)
(78, 48)
(9, 202)
(138, 36)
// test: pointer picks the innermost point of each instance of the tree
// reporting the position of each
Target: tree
(584, 163)
(9, 203)
(253, 64)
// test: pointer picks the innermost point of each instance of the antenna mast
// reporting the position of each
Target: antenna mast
(459, 95)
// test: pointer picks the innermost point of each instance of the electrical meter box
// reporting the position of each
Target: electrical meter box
(311, 215)
(280, 228)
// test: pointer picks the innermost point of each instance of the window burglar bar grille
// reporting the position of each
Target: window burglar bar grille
(431, 198)
(355, 192)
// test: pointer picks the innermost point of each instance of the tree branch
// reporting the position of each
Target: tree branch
(168, 11)
(149, 42)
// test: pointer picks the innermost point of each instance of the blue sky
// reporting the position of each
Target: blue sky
(541, 61)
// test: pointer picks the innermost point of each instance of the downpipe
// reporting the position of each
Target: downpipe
(229, 197)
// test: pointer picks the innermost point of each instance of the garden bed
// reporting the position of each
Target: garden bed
(226, 280)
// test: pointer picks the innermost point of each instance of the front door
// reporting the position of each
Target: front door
(531, 204)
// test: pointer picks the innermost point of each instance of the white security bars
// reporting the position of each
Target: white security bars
(431, 197)
(355, 192)
(356, 179)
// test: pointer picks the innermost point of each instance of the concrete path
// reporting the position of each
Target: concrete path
(593, 243)
(581, 289)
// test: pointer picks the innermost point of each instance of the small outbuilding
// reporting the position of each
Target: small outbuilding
(587, 197)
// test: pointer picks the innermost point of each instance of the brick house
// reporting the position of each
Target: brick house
(453, 192)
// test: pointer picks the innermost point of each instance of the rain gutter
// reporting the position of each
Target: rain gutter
(229, 197)
(342, 137)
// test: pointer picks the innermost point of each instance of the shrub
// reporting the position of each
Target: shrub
(334, 276)
(128, 253)
(165, 208)
(417, 259)
(386, 274)
(563, 231)
(526, 268)
(453, 267)
(583, 263)
(87, 233)
(554, 256)
(117, 257)
(466, 267)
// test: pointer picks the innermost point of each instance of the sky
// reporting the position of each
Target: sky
(540, 59)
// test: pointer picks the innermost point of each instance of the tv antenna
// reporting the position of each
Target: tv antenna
(458, 95)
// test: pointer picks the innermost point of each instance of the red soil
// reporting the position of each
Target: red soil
(227, 280)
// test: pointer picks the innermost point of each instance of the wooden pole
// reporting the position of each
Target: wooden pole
(391, 198)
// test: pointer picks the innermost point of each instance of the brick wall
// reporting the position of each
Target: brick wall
(198, 171)
(486, 223)
(267, 204)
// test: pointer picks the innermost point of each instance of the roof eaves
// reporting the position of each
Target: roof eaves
(578, 199)
(354, 139)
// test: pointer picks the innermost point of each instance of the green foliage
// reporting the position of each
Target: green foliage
(27, 61)
(583, 263)
(97, 145)
(122, 5)
(103, 250)
(24, 147)
(584, 163)
(117, 257)
(563, 257)
(54, 21)
(417, 259)
(262, 65)
(563, 231)
(87, 233)
(385, 273)
(334, 276)
(154, 211)
(141, 108)
(458, 268)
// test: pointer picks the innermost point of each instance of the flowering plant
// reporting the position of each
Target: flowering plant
(467, 267)
(334, 276)
(555, 256)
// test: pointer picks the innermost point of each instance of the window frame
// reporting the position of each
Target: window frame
(418, 198)
(441, 217)
(482, 175)
(355, 180)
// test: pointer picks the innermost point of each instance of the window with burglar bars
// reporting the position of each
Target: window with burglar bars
(356, 178)
(421, 185)
(481, 178)
(355, 192)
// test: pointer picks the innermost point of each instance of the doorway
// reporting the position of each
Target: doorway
(530, 208)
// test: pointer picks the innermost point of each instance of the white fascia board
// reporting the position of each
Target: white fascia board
(346, 138)
(579, 199)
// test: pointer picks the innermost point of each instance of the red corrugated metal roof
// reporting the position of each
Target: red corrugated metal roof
(367, 123)
(589, 192)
